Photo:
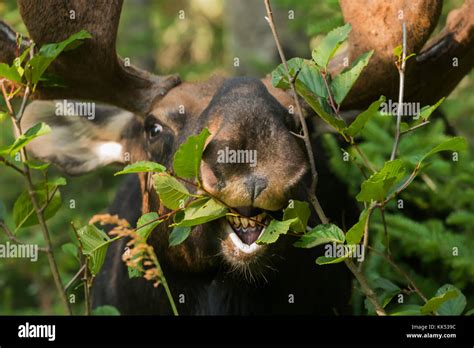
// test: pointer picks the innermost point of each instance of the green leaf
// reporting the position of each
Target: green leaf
(142, 167)
(105, 310)
(172, 193)
(329, 45)
(454, 306)
(145, 225)
(179, 235)
(378, 184)
(355, 233)
(10, 72)
(36, 66)
(342, 83)
(32, 133)
(315, 103)
(311, 77)
(37, 165)
(435, 302)
(361, 120)
(300, 211)
(321, 234)
(427, 110)
(409, 309)
(453, 144)
(323, 260)
(24, 214)
(279, 75)
(397, 51)
(188, 157)
(201, 211)
(275, 228)
(94, 243)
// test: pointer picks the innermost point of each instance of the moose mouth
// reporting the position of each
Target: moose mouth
(244, 231)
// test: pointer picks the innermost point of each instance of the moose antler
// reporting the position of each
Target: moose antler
(92, 71)
(431, 74)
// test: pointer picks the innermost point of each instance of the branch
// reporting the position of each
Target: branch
(12, 237)
(401, 71)
(314, 174)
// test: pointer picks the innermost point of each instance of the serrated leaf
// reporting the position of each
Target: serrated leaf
(323, 260)
(454, 306)
(434, 303)
(355, 233)
(427, 110)
(179, 235)
(188, 157)
(361, 120)
(105, 310)
(146, 224)
(142, 167)
(342, 83)
(321, 234)
(172, 193)
(95, 243)
(201, 211)
(24, 214)
(378, 184)
(37, 65)
(300, 211)
(453, 144)
(329, 45)
(279, 75)
(275, 228)
(32, 133)
(315, 103)
(311, 77)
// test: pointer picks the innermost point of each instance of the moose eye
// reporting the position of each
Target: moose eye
(154, 129)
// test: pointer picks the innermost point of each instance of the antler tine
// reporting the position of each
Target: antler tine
(92, 71)
(377, 25)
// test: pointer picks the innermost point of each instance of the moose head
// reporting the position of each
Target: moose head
(147, 117)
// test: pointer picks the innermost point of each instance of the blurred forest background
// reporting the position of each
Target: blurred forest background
(207, 41)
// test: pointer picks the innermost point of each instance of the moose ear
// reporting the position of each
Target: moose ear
(84, 135)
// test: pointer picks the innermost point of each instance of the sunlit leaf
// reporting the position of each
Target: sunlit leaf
(142, 167)
(321, 234)
(329, 45)
(188, 157)
(172, 193)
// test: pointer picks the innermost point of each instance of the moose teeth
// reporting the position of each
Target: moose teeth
(238, 221)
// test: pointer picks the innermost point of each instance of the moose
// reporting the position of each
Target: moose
(219, 269)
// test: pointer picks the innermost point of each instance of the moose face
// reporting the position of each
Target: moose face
(251, 161)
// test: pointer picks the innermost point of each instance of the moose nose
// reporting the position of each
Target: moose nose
(255, 185)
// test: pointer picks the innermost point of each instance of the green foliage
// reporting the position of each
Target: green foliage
(355, 233)
(342, 83)
(106, 310)
(142, 167)
(179, 235)
(361, 120)
(300, 211)
(201, 211)
(377, 186)
(329, 45)
(37, 65)
(321, 234)
(23, 140)
(94, 245)
(275, 228)
(188, 157)
(172, 193)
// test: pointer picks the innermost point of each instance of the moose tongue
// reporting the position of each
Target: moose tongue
(248, 235)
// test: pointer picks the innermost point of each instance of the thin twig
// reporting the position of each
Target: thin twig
(401, 72)
(76, 276)
(314, 174)
(424, 123)
(365, 287)
(402, 272)
(14, 239)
